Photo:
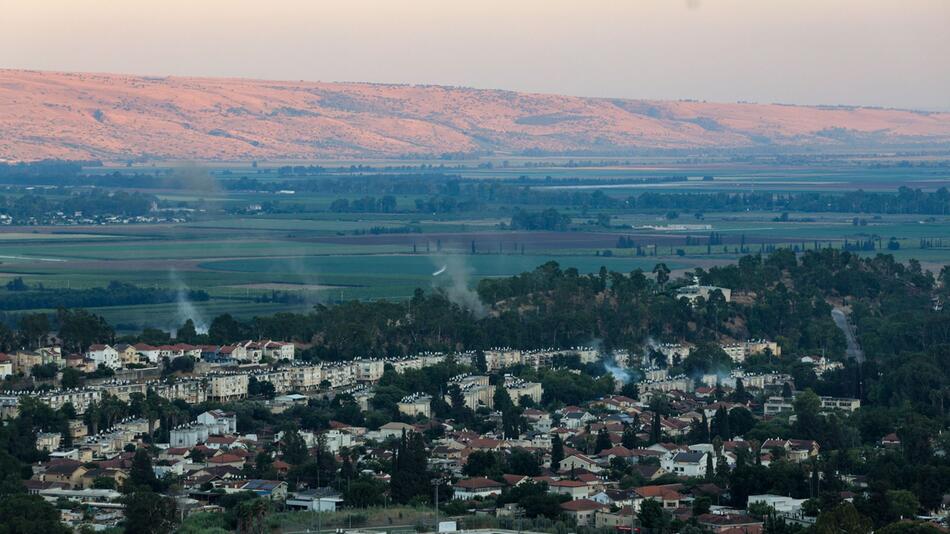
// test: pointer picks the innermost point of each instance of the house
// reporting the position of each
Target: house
(575, 420)
(795, 450)
(336, 439)
(127, 354)
(780, 503)
(582, 511)
(800, 450)
(890, 441)
(228, 459)
(65, 472)
(575, 489)
(618, 451)
(690, 464)
(649, 472)
(24, 361)
(624, 518)
(275, 490)
(729, 523)
(118, 476)
(394, 430)
(253, 351)
(668, 495)
(104, 355)
(579, 461)
(476, 488)
(48, 441)
(279, 350)
(147, 352)
(221, 422)
(515, 480)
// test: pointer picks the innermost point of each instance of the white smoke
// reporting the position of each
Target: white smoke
(621, 375)
(453, 275)
(609, 360)
(185, 309)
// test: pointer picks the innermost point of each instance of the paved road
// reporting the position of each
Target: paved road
(841, 321)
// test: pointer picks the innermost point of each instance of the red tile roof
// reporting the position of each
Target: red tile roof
(581, 505)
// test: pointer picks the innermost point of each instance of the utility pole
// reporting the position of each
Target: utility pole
(436, 482)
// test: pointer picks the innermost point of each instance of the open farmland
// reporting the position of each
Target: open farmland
(283, 244)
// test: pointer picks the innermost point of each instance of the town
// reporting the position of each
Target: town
(664, 444)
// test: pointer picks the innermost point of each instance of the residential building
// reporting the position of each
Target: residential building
(228, 387)
(104, 355)
(275, 490)
(476, 488)
(416, 404)
(575, 489)
(691, 464)
(369, 370)
(518, 388)
(218, 421)
(583, 511)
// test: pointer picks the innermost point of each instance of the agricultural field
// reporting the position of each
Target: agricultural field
(244, 253)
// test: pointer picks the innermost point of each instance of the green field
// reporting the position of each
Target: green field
(325, 256)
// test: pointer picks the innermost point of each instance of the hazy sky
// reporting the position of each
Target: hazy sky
(873, 52)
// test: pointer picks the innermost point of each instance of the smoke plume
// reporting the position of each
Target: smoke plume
(185, 309)
(454, 277)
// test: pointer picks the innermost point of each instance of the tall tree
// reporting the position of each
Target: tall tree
(29, 514)
(410, 473)
(656, 428)
(557, 453)
(141, 476)
(147, 512)
(603, 441)
(187, 333)
(720, 424)
(843, 518)
(79, 328)
(293, 447)
(662, 273)
(629, 438)
(34, 327)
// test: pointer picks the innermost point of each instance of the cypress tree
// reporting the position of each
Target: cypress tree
(656, 430)
(557, 453)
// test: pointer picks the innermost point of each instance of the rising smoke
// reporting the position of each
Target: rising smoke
(195, 179)
(609, 361)
(453, 275)
(184, 309)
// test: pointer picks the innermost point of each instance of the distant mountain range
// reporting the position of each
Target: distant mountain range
(116, 117)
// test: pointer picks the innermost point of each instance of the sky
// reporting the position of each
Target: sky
(857, 52)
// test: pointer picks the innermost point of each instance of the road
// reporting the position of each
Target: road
(841, 321)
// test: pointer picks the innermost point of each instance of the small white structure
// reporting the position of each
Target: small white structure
(780, 503)
(313, 501)
(694, 292)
